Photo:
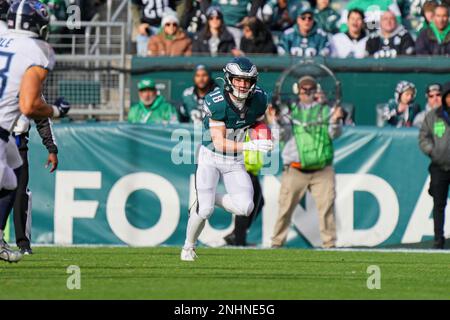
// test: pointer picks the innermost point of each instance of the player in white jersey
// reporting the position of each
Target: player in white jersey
(25, 60)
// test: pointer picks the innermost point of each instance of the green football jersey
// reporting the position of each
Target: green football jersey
(218, 106)
(233, 10)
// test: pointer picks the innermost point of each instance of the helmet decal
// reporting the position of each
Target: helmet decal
(29, 16)
(240, 68)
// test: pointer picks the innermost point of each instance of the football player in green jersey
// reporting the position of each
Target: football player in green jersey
(193, 97)
(229, 112)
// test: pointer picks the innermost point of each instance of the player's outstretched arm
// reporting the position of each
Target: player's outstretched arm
(30, 97)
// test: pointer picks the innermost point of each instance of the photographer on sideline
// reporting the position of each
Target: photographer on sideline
(308, 162)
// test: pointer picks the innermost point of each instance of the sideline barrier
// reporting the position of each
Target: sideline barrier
(117, 184)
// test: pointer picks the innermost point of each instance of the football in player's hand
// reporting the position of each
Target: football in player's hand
(260, 131)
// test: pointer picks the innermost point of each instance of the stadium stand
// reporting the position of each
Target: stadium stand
(101, 51)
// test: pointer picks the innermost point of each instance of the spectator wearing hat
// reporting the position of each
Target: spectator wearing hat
(434, 101)
(257, 39)
(391, 41)
(307, 161)
(171, 40)
(402, 110)
(435, 40)
(280, 15)
(193, 97)
(214, 39)
(434, 141)
(150, 15)
(351, 44)
(305, 39)
(152, 108)
(327, 18)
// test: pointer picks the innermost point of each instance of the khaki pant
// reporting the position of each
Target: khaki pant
(294, 184)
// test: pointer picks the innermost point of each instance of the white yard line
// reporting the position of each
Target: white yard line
(394, 250)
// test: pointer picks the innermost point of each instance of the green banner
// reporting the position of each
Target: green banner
(131, 184)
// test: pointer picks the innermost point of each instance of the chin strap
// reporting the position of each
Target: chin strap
(248, 94)
(237, 94)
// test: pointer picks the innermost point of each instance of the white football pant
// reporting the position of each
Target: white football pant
(238, 185)
(9, 161)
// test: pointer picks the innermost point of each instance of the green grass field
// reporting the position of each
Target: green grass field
(157, 273)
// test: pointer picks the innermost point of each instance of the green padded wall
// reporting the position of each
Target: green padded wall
(365, 82)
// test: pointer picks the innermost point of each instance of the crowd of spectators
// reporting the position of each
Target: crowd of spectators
(356, 28)
(342, 29)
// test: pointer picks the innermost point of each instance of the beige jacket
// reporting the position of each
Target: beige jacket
(159, 45)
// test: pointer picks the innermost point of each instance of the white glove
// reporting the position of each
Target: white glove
(22, 125)
(258, 145)
(388, 114)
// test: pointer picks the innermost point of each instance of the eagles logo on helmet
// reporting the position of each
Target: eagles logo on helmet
(240, 68)
(29, 16)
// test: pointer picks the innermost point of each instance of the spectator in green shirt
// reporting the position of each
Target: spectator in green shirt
(326, 17)
(152, 108)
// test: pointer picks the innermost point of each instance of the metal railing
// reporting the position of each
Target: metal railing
(121, 11)
(89, 69)
(94, 37)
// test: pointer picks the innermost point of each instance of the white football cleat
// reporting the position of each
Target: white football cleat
(9, 255)
(4, 244)
(188, 254)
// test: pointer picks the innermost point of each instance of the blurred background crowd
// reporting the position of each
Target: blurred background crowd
(357, 28)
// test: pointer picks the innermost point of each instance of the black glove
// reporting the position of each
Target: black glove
(62, 106)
